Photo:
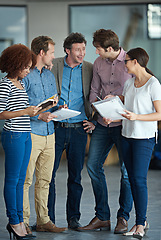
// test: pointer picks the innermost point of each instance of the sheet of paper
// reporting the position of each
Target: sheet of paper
(65, 113)
(110, 108)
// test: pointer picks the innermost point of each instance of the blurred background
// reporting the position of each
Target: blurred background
(137, 23)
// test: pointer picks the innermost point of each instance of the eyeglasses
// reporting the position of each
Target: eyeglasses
(126, 60)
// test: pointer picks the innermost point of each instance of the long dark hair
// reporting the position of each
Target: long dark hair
(141, 56)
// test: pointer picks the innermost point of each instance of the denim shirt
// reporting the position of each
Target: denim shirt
(39, 87)
(72, 91)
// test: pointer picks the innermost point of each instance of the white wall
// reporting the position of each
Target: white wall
(49, 19)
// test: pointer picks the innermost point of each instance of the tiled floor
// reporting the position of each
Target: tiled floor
(87, 206)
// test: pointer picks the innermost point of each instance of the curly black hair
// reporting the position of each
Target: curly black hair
(15, 58)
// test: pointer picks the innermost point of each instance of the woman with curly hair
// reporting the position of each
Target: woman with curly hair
(16, 61)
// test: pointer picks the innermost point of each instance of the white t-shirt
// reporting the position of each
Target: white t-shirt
(140, 101)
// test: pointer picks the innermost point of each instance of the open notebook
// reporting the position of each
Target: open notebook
(110, 108)
(47, 102)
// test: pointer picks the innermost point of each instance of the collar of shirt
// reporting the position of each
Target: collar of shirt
(120, 57)
(42, 70)
(66, 65)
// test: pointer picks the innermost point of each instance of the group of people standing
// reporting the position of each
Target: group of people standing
(78, 83)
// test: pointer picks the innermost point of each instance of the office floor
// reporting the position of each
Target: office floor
(87, 206)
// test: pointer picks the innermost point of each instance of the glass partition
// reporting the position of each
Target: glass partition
(129, 21)
(13, 26)
(154, 21)
(13, 29)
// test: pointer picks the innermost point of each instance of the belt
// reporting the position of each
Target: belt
(70, 125)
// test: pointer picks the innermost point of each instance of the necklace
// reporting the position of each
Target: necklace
(138, 84)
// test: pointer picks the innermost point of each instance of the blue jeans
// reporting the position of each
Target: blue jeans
(103, 138)
(17, 148)
(137, 155)
(73, 140)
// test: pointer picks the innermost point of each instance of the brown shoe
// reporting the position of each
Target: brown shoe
(121, 226)
(28, 230)
(95, 225)
(49, 227)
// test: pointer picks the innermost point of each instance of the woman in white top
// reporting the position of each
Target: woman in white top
(142, 99)
(16, 61)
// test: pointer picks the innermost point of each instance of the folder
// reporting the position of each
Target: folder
(110, 108)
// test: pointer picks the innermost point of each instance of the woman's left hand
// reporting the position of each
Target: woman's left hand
(32, 111)
(107, 121)
(129, 115)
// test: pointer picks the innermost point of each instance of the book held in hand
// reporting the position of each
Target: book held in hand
(110, 108)
(47, 102)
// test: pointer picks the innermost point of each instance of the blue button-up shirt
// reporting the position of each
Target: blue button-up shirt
(72, 91)
(39, 87)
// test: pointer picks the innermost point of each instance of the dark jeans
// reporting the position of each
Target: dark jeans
(137, 155)
(101, 143)
(17, 148)
(73, 140)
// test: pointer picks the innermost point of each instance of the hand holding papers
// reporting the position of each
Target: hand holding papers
(110, 108)
(65, 113)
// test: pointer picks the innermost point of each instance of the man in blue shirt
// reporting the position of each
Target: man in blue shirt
(73, 78)
(40, 85)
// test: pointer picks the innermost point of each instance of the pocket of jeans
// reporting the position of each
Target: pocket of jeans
(151, 142)
(81, 131)
(16, 135)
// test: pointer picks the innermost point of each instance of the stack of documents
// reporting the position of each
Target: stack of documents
(65, 113)
(110, 108)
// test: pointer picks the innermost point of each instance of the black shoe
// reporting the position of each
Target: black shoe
(74, 224)
(33, 227)
(30, 236)
(15, 235)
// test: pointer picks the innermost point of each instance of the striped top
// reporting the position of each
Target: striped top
(14, 99)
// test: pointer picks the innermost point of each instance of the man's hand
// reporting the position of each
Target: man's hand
(49, 67)
(46, 116)
(88, 126)
(108, 96)
(63, 106)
